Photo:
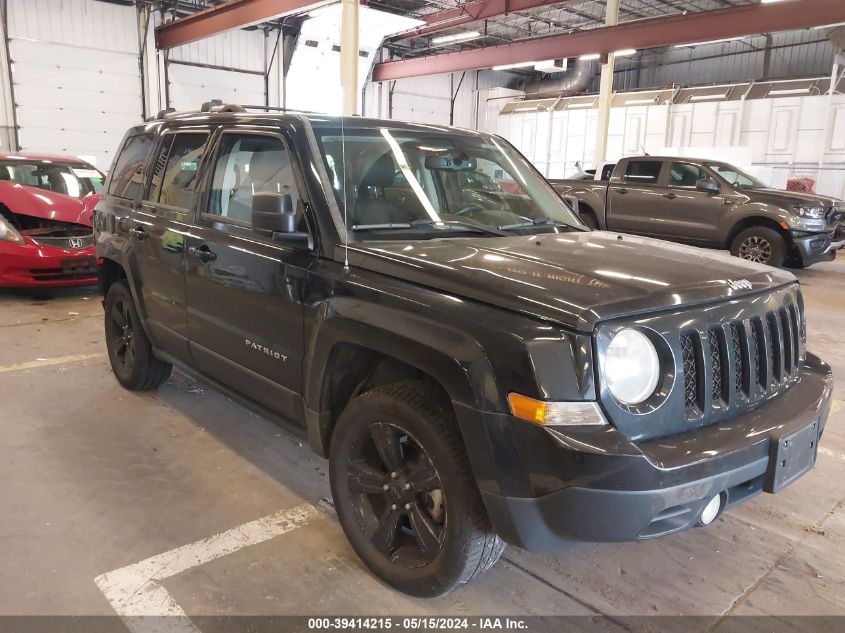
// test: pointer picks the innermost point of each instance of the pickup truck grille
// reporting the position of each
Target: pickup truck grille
(729, 358)
(763, 356)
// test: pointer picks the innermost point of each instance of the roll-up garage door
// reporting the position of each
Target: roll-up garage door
(74, 100)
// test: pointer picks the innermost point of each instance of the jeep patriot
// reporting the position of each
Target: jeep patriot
(476, 364)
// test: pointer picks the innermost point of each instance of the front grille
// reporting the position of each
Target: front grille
(737, 344)
(73, 243)
(690, 375)
(727, 358)
(740, 361)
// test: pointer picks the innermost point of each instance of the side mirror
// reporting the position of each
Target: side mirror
(710, 186)
(273, 213)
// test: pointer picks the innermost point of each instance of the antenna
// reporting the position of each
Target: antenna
(642, 147)
(345, 197)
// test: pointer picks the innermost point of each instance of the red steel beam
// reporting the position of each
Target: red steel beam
(751, 19)
(235, 14)
(472, 12)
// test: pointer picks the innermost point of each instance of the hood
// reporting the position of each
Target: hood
(48, 205)
(575, 279)
(797, 198)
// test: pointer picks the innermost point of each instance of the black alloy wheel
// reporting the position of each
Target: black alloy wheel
(405, 493)
(397, 495)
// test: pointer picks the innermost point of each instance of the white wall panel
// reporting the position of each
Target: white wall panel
(239, 49)
(85, 23)
(76, 75)
(191, 86)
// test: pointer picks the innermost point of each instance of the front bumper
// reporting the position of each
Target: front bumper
(36, 265)
(595, 485)
(814, 248)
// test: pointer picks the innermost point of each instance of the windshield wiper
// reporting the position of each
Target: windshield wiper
(538, 222)
(460, 226)
(454, 225)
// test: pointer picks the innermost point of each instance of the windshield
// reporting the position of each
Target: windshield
(735, 176)
(72, 179)
(426, 183)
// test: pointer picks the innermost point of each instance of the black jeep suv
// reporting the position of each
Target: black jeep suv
(478, 367)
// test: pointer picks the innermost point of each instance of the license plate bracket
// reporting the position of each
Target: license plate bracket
(76, 265)
(791, 455)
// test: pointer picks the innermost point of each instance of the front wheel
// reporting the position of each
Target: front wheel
(760, 244)
(129, 349)
(405, 494)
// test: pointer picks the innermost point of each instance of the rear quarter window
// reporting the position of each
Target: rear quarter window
(127, 175)
(643, 171)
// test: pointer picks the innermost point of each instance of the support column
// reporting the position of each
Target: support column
(836, 74)
(349, 57)
(611, 18)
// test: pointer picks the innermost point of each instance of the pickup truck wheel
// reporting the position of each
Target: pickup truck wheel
(405, 493)
(129, 349)
(760, 244)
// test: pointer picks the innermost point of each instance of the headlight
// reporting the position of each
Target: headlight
(8, 232)
(813, 213)
(631, 367)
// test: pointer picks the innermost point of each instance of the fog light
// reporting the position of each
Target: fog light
(711, 510)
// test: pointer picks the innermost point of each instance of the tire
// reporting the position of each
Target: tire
(589, 218)
(760, 244)
(130, 353)
(429, 532)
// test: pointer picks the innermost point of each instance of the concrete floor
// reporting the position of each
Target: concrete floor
(95, 478)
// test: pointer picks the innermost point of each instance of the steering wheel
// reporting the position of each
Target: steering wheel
(469, 209)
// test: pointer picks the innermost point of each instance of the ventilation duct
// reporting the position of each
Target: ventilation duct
(574, 81)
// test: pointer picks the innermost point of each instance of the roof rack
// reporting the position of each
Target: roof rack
(217, 106)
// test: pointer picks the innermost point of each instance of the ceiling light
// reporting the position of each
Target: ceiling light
(727, 39)
(625, 52)
(722, 95)
(789, 91)
(651, 101)
(828, 26)
(575, 106)
(456, 37)
(590, 57)
(770, 1)
(517, 65)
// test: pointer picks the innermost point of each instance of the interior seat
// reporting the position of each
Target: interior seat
(371, 207)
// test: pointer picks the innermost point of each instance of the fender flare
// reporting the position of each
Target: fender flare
(450, 356)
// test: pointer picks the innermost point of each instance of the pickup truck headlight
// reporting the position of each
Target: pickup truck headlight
(8, 232)
(631, 367)
(812, 213)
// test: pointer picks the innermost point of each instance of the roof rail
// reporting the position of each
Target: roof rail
(279, 109)
(163, 113)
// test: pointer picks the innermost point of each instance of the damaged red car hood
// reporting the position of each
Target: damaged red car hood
(49, 205)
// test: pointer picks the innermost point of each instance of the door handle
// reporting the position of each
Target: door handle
(623, 191)
(138, 233)
(669, 196)
(202, 253)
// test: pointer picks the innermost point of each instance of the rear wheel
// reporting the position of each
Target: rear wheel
(129, 349)
(760, 244)
(405, 494)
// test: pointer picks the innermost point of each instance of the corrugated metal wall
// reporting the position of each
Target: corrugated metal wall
(793, 54)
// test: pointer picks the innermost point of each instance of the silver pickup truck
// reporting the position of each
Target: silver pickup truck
(712, 204)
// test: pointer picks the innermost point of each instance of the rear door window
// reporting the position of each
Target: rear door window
(176, 169)
(643, 171)
(127, 175)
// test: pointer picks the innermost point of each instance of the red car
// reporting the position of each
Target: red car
(46, 204)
